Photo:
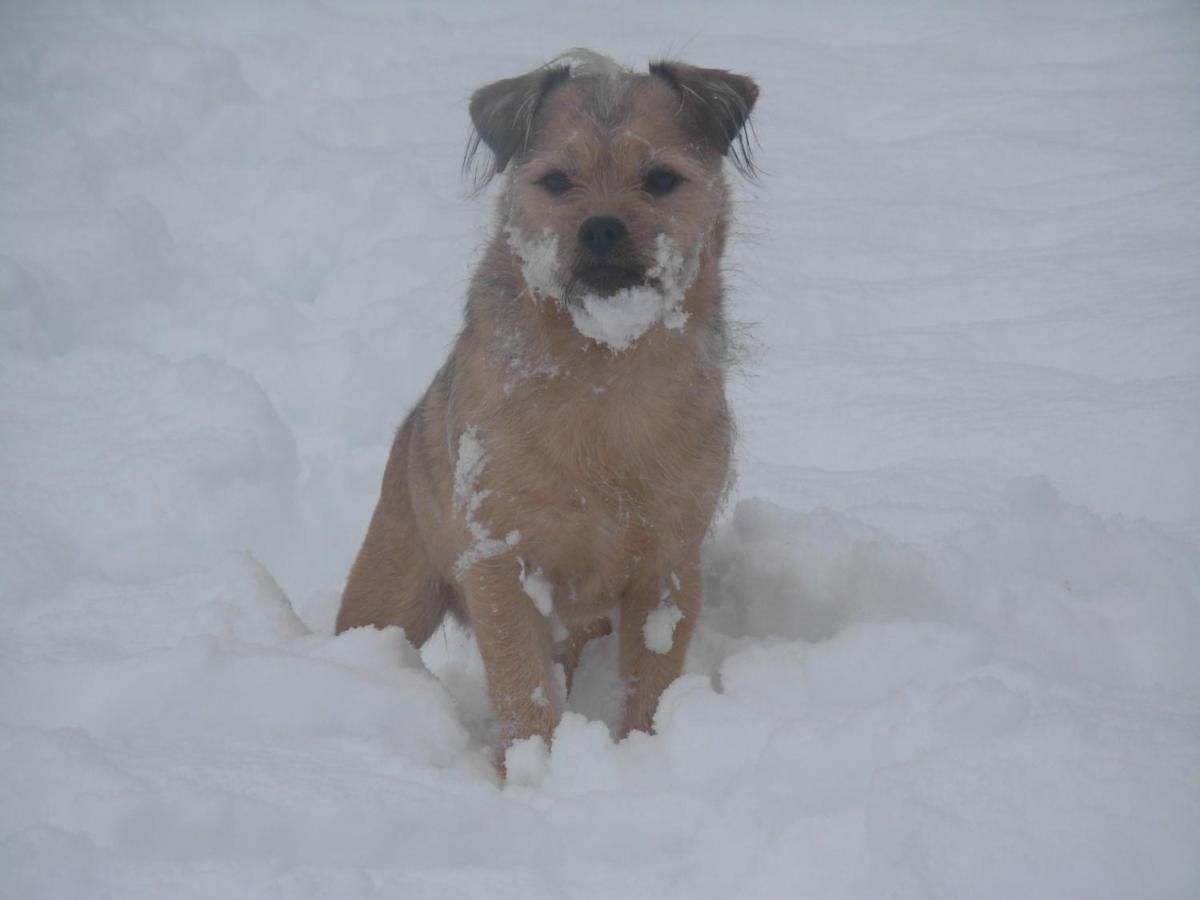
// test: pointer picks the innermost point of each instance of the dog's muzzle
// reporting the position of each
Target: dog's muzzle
(607, 278)
(606, 264)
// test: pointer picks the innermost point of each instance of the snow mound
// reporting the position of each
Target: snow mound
(106, 452)
(1111, 601)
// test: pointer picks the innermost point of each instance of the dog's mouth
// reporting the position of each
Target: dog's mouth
(607, 278)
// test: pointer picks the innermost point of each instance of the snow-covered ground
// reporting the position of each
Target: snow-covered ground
(950, 646)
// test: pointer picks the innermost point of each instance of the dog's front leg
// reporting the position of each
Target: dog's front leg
(658, 615)
(515, 643)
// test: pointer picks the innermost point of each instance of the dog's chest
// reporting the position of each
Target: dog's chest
(588, 541)
(603, 466)
(597, 512)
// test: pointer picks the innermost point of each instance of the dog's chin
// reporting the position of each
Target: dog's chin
(605, 281)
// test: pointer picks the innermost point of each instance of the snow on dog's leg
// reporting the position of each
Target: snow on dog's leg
(658, 614)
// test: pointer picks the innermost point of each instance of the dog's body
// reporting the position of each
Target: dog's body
(565, 464)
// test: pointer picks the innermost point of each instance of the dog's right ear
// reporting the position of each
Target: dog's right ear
(503, 114)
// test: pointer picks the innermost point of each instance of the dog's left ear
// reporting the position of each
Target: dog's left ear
(718, 105)
(503, 114)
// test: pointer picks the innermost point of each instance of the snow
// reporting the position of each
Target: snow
(537, 588)
(525, 761)
(469, 462)
(468, 467)
(615, 321)
(951, 610)
(618, 320)
(658, 632)
(539, 262)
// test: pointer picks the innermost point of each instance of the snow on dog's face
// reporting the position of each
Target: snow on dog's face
(615, 195)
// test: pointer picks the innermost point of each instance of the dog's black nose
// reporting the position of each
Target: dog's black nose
(600, 234)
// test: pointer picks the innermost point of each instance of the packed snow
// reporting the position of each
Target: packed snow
(658, 633)
(948, 646)
(540, 262)
(468, 468)
(537, 588)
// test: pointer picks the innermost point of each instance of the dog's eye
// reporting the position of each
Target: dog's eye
(661, 181)
(556, 183)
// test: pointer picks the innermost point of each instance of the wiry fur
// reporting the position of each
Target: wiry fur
(540, 460)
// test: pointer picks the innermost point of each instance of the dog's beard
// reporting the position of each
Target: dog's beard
(617, 318)
(539, 261)
(613, 315)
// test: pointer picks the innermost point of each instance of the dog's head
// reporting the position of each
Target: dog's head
(615, 177)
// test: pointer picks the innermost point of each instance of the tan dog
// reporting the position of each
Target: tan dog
(565, 464)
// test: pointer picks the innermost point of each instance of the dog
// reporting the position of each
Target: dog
(558, 477)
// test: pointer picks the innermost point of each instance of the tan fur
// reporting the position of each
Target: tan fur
(597, 472)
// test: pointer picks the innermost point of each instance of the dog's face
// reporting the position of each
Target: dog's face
(615, 185)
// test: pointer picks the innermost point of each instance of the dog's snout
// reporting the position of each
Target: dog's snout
(601, 234)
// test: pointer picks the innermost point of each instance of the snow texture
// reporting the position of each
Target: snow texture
(615, 321)
(659, 630)
(539, 262)
(468, 467)
(948, 641)
(537, 588)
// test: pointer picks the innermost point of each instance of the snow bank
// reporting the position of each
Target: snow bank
(122, 464)
(872, 716)
(911, 735)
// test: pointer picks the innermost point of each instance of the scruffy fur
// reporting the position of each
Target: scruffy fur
(542, 464)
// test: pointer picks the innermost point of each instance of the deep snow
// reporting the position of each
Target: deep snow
(949, 647)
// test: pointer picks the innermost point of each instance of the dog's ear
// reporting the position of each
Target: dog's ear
(717, 105)
(503, 113)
